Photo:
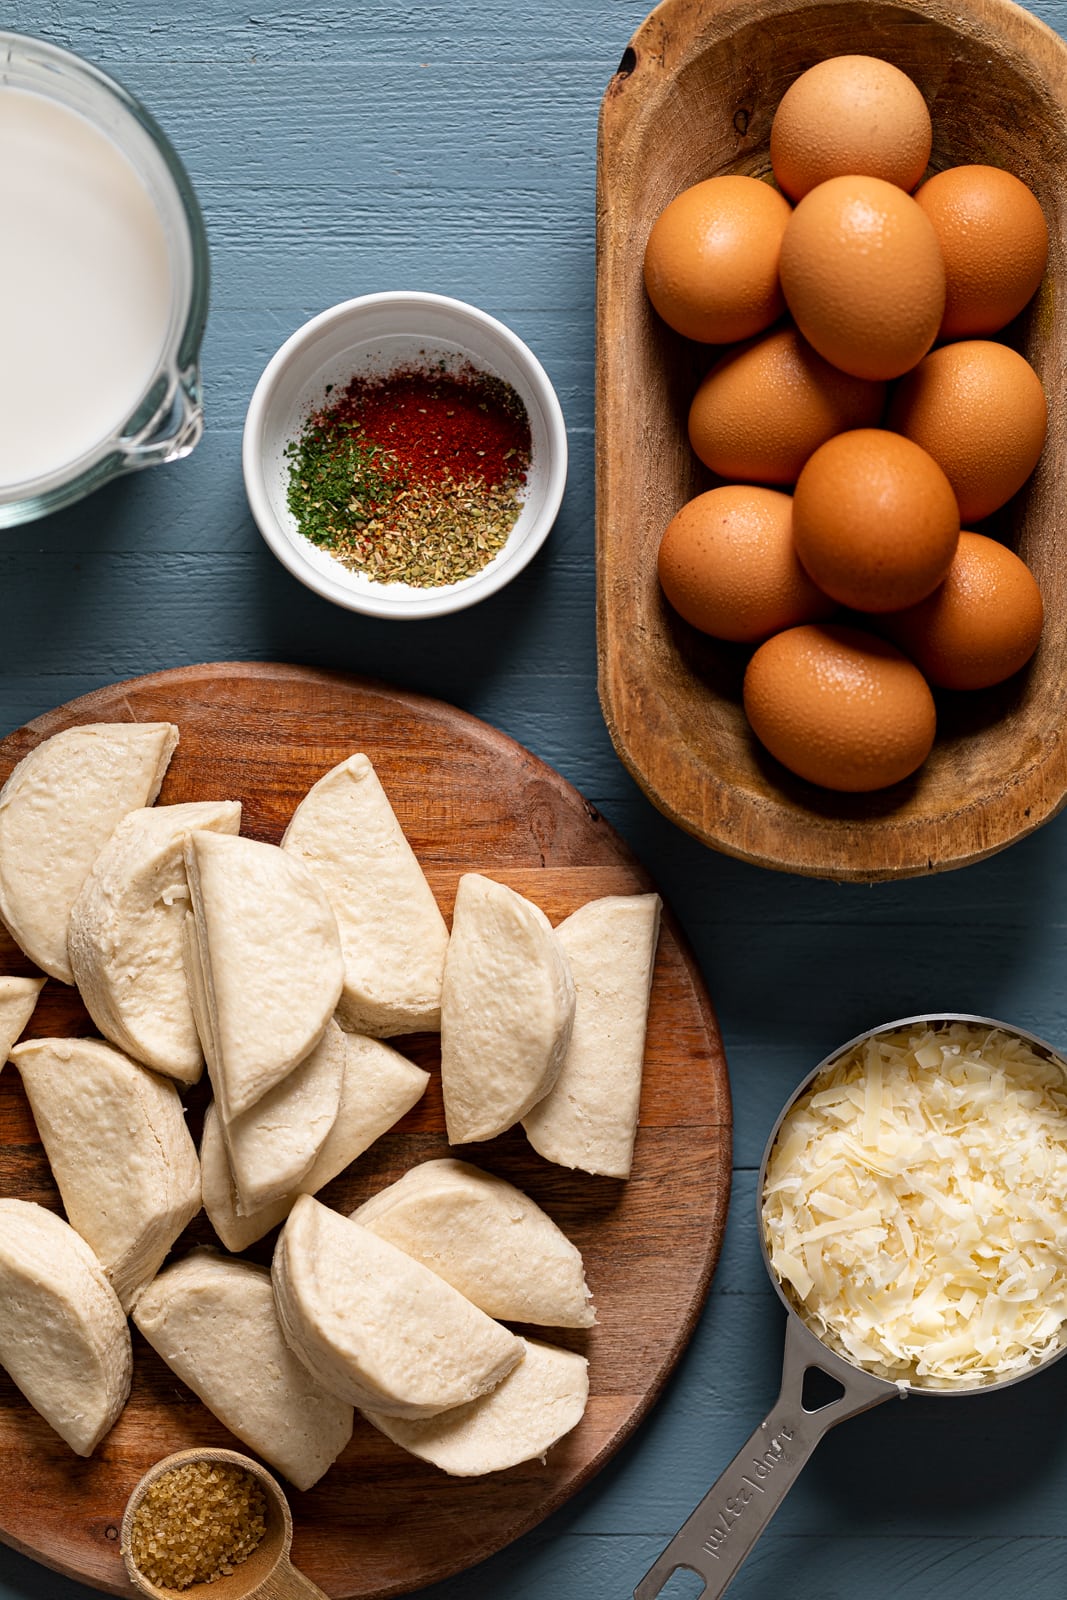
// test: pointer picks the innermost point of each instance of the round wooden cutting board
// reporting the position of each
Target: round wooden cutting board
(382, 1522)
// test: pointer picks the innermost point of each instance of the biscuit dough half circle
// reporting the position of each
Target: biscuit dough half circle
(264, 963)
(64, 1338)
(589, 1118)
(487, 1239)
(507, 1010)
(212, 1320)
(58, 809)
(18, 1000)
(525, 1415)
(274, 1143)
(393, 934)
(378, 1088)
(125, 935)
(120, 1151)
(376, 1327)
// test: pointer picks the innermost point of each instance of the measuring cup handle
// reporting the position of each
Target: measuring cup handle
(286, 1583)
(726, 1524)
(176, 428)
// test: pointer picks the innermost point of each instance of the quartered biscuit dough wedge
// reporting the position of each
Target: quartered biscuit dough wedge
(393, 935)
(212, 1320)
(120, 1152)
(263, 962)
(487, 1239)
(273, 1144)
(507, 1007)
(18, 999)
(376, 1327)
(57, 810)
(378, 1088)
(534, 1406)
(589, 1119)
(125, 935)
(64, 1338)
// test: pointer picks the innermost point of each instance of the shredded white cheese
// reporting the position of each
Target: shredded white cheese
(915, 1206)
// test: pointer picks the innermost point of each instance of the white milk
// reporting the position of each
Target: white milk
(85, 286)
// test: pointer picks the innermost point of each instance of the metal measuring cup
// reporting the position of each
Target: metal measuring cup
(719, 1534)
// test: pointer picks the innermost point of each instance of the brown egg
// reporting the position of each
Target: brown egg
(764, 407)
(862, 274)
(850, 114)
(979, 409)
(711, 262)
(874, 520)
(994, 242)
(980, 625)
(727, 565)
(839, 707)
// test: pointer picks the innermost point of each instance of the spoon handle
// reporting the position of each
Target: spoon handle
(286, 1583)
(719, 1534)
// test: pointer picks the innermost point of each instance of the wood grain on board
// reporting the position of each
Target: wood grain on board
(694, 97)
(380, 1522)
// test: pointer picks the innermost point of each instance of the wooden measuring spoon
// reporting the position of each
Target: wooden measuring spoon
(266, 1574)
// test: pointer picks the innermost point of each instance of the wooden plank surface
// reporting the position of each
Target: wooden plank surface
(451, 146)
(380, 1522)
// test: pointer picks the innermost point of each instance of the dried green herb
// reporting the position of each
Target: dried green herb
(335, 482)
(430, 535)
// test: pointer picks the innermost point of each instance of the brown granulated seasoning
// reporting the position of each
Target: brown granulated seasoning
(196, 1523)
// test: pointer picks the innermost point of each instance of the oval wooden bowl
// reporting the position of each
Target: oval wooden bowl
(694, 96)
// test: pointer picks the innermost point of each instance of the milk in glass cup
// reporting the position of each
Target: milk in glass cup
(103, 284)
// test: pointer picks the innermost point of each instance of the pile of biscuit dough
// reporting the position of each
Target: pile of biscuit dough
(286, 967)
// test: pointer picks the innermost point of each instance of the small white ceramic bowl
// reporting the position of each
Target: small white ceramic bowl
(377, 333)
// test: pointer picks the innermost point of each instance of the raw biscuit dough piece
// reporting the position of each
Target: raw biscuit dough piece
(589, 1120)
(263, 962)
(393, 935)
(18, 999)
(64, 1338)
(487, 1239)
(507, 1008)
(534, 1406)
(273, 1144)
(120, 1152)
(57, 810)
(376, 1327)
(212, 1320)
(125, 935)
(378, 1088)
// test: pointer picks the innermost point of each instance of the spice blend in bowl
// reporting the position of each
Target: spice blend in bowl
(404, 455)
(415, 476)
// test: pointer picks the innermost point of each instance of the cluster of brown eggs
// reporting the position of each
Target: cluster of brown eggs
(879, 401)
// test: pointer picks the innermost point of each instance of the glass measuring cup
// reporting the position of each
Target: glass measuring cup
(720, 1532)
(162, 414)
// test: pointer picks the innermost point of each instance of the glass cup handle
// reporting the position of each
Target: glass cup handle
(175, 428)
(726, 1524)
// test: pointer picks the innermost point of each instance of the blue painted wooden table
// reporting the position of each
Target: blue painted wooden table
(450, 146)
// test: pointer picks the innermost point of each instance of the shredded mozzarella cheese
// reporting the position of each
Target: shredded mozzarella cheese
(915, 1206)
